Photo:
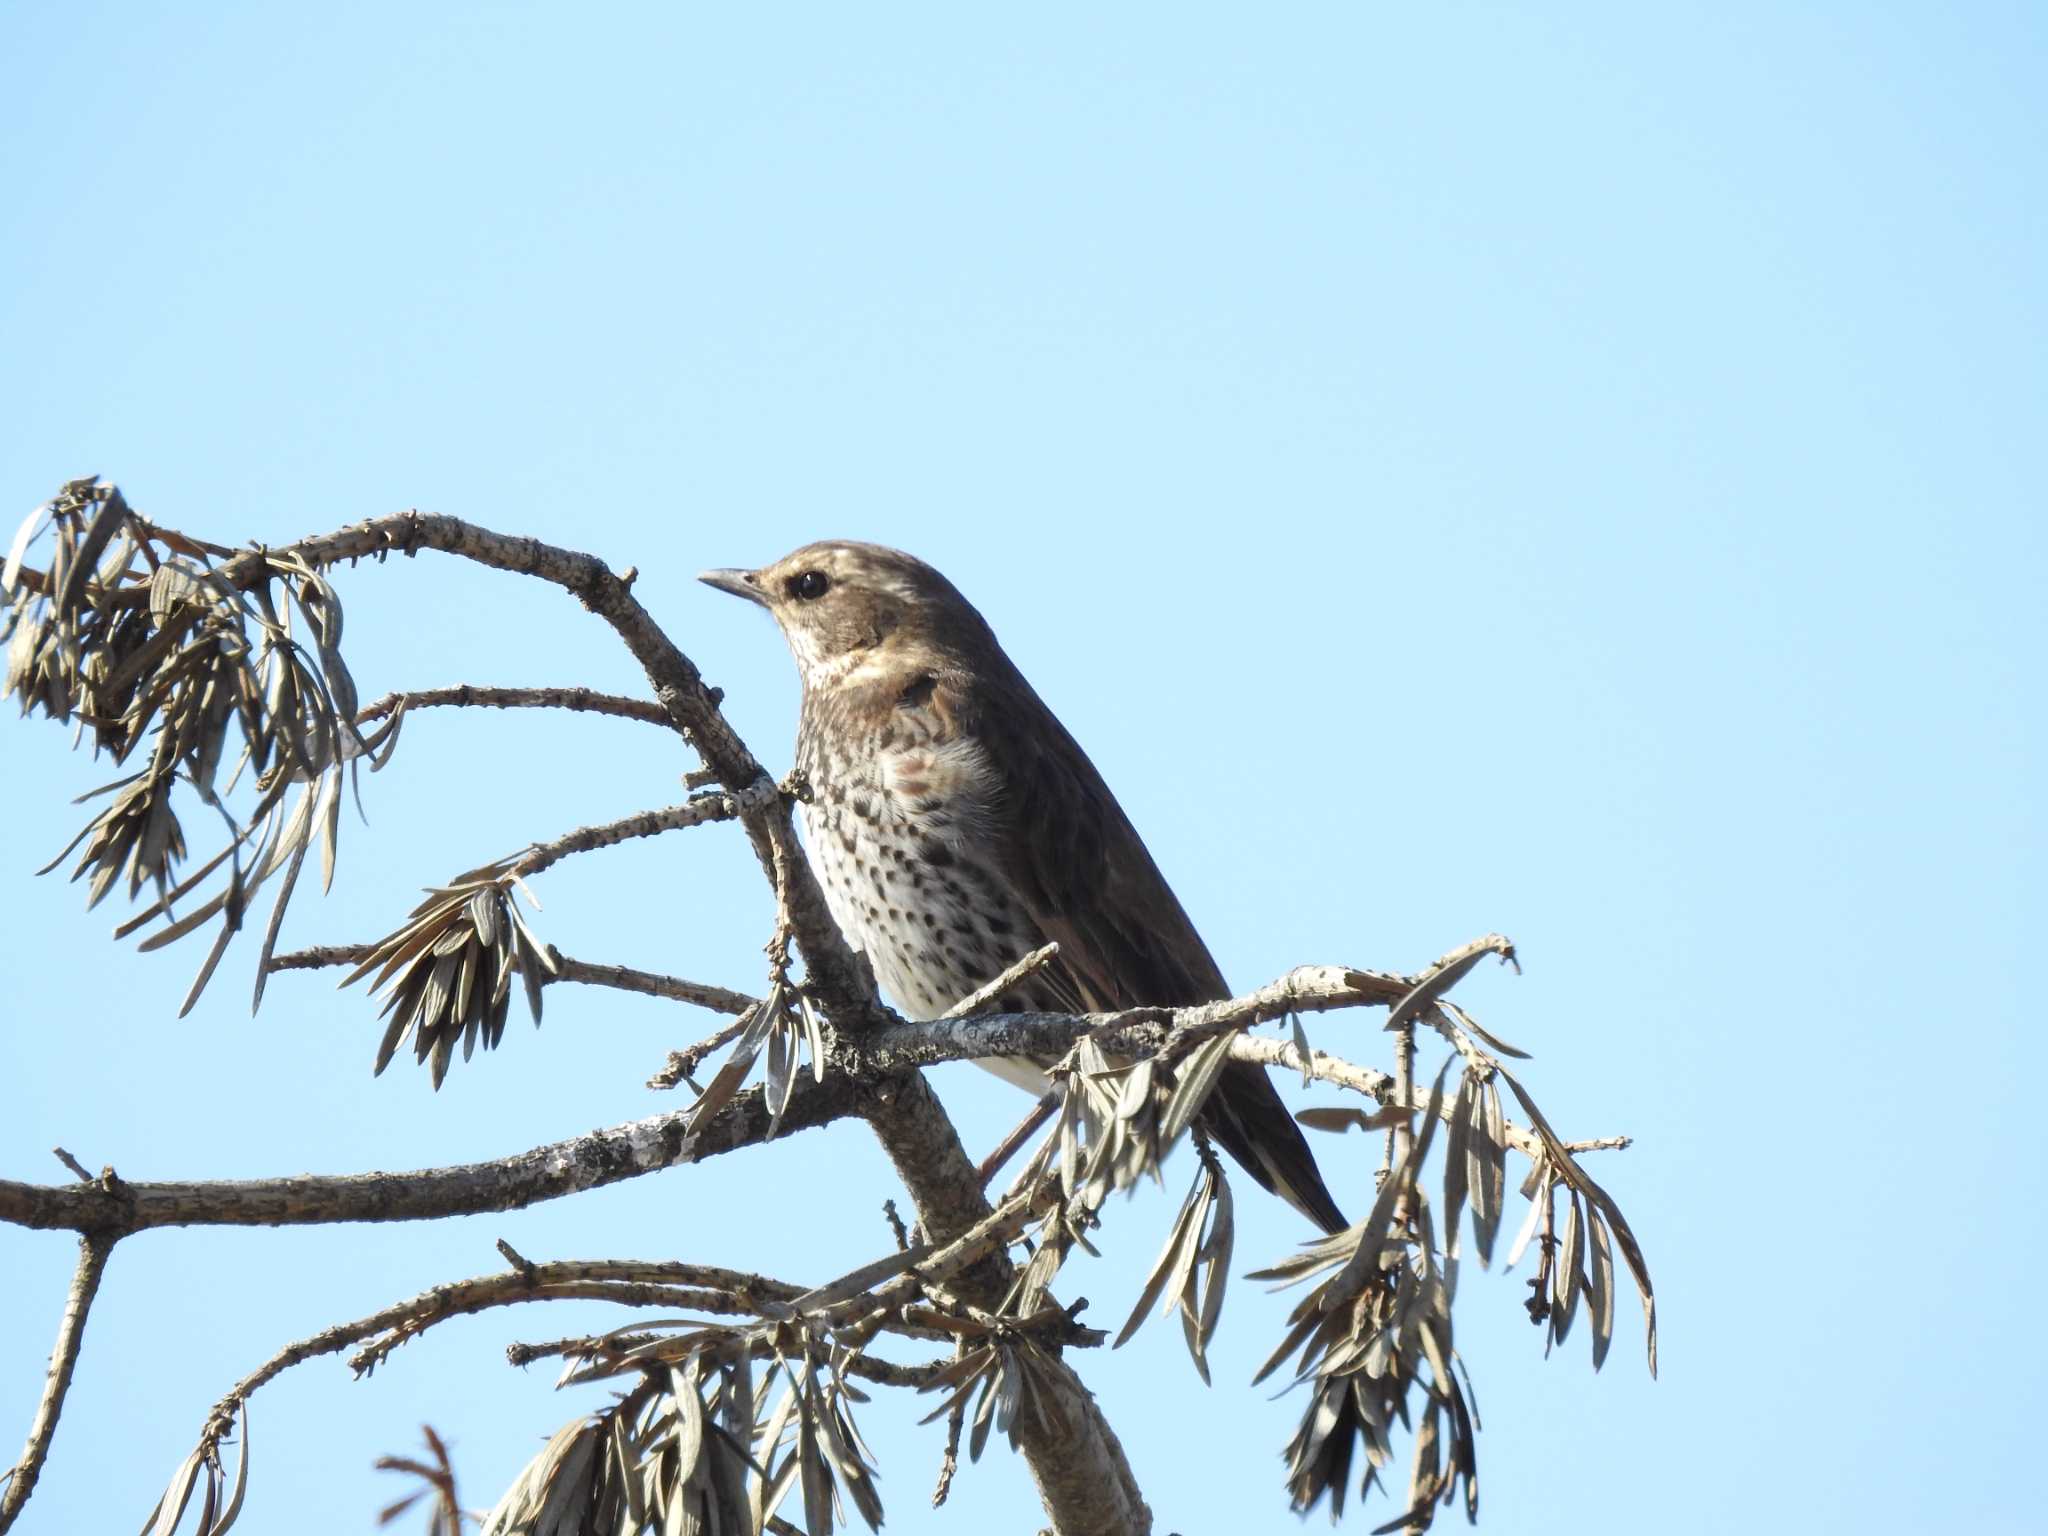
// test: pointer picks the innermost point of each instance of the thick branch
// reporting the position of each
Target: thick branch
(548, 1172)
(85, 1283)
(908, 1120)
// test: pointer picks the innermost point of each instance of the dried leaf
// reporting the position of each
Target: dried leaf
(1343, 1118)
(1195, 1077)
(1537, 1203)
(23, 537)
(1456, 1172)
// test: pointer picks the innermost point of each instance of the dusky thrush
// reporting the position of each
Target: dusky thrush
(955, 827)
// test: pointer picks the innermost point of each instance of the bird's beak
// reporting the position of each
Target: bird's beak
(738, 583)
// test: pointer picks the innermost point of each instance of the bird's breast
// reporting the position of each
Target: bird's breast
(899, 828)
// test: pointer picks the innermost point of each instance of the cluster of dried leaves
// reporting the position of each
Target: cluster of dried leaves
(220, 1505)
(199, 672)
(782, 1026)
(1376, 1334)
(447, 974)
(1373, 1343)
(692, 1447)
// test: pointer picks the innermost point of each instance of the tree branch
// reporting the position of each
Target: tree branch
(626, 979)
(582, 700)
(93, 1249)
(567, 968)
(887, 1373)
(569, 1281)
(548, 1172)
(1134, 1031)
(694, 812)
(865, 1082)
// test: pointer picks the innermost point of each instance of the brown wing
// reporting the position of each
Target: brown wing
(1081, 870)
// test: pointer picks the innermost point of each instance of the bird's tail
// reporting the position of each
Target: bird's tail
(1249, 1121)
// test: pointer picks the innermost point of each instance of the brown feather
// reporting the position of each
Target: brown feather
(1125, 941)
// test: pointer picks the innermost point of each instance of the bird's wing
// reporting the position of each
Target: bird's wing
(1079, 867)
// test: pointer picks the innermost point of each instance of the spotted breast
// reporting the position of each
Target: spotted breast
(902, 801)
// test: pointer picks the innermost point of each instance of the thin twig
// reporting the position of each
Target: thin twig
(567, 968)
(1024, 1130)
(1601, 1144)
(682, 1065)
(93, 1249)
(649, 983)
(1366, 1080)
(624, 1293)
(887, 1373)
(714, 805)
(989, 991)
(1401, 1134)
(623, 1281)
(76, 1167)
(583, 700)
(951, 1463)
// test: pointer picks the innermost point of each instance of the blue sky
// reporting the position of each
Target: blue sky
(1572, 472)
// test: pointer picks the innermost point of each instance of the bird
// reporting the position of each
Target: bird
(956, 826)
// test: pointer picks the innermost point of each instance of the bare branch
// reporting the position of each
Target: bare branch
(1011, 1144)
(1132, 1031)
(547, 1172)
(567, 968)
(989, 991)
(682, 1065)
(1601, 1144)
(574, 1280)
(694, 812)
(93, 1249)
(582, 700)
(626, 979)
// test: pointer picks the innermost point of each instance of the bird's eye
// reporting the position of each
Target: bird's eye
(808, 585)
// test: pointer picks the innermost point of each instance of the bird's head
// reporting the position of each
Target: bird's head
(842, 604)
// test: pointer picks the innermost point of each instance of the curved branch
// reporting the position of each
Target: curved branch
(93, 1249)
(570, 1281)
